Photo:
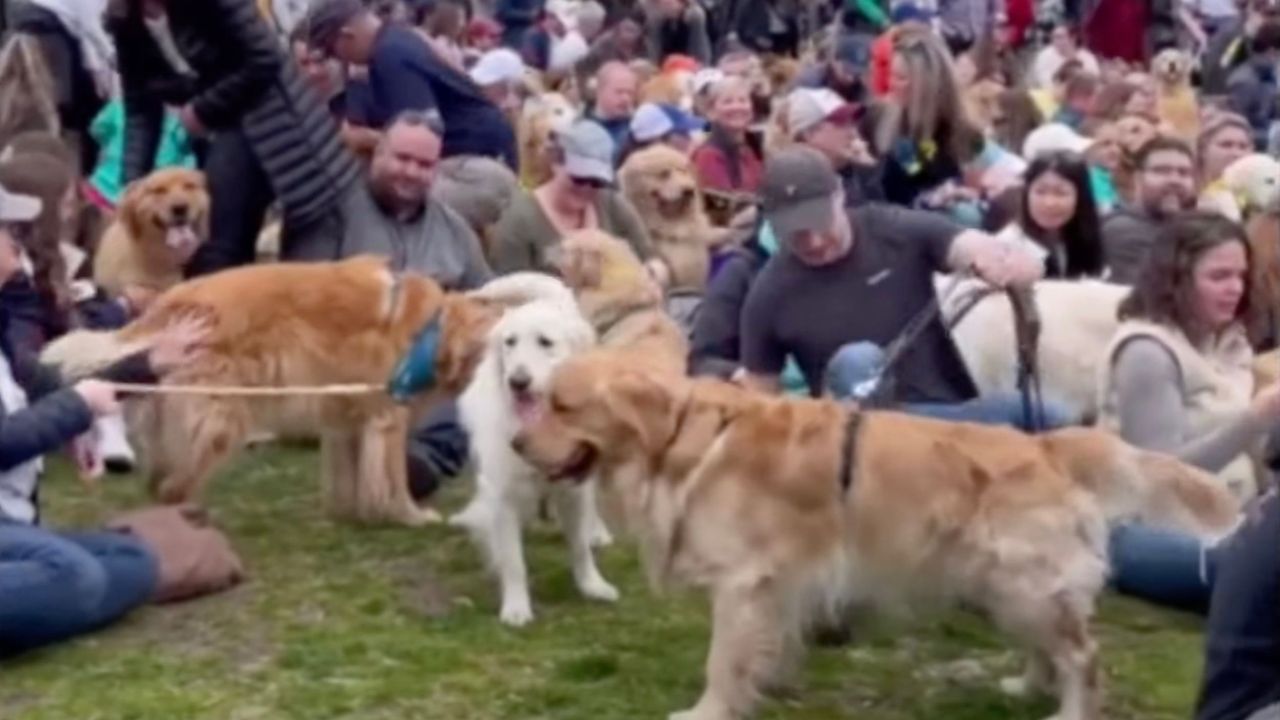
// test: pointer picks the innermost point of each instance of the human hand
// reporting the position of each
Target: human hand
(191, 121)
(138, 298)
(1005, 267)
(659, 272)
(100, 396)
(1266, 404)
(179, 343)
(90, 465)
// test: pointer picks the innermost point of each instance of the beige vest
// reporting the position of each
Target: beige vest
(1217, 384)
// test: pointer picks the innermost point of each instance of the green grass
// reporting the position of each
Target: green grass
(349, 622)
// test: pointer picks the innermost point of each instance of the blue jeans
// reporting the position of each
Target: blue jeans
(1161, 566)
(54, 586)
(856, 367)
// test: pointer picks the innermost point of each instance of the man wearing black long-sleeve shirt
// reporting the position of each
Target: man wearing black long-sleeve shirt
(406, 74)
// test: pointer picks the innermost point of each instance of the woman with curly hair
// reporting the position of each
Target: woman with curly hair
(1178, 379)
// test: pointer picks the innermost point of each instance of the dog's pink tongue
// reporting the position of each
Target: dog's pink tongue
(182, 239)
(529, 411)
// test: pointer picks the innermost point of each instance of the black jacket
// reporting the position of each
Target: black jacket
(714, 348)
(242, 80)
(1225, 51)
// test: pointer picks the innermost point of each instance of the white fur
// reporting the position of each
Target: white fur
(1077, 321)
(1254, 180)
(529, 341)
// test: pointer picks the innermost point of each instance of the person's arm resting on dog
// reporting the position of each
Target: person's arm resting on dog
(1149, 401)
(996, 262)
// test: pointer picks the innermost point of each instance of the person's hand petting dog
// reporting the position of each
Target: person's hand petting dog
(179, 343)
(995, 262)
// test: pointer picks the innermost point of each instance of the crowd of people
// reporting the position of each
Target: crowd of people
(850, 153)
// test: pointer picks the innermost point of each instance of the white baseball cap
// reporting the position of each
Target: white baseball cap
(806, 107)
(652, 121)
(705, 78)
(498, 65)
(1054, 137)
(18, 208)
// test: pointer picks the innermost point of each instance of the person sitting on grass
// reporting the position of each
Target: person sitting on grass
(56, 585)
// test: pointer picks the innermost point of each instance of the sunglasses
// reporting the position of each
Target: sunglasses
(593, 183)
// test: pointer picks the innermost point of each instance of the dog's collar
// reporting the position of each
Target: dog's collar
(849, 449)
(416, 371)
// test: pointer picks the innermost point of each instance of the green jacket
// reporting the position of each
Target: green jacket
(108, 130)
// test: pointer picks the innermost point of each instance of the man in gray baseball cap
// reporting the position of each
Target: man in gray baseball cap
(845, 283)
(800, 197)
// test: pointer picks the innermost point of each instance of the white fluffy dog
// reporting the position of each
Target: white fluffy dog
(524, 347)
(1077, 321)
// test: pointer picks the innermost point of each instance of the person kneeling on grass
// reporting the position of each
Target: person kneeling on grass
(54, 586)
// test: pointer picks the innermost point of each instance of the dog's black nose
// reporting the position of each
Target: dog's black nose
(180, 211)
(519, 381)
(518, 443)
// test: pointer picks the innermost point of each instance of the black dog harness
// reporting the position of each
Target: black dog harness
(849, 449)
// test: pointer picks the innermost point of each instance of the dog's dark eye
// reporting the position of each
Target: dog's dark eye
(544, 342)
(510, 341)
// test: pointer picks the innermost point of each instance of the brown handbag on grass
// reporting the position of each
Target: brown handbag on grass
(195, 557)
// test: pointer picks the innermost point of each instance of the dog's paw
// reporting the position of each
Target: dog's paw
(422, 516)
(516, 613)
(1017, 686)
(600, 536)
(597, 588)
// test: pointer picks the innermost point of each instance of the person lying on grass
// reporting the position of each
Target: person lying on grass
(56, 585)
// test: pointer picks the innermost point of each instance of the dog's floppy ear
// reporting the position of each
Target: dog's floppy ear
(643, 404)
(465, 330)
(130, 212)
(581, 266)
(205, 205)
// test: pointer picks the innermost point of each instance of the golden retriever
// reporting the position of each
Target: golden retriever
(786, 510)
(298, 325)
(542, 116)
(659, 182)
(162, 221)
(621, 301)
(1176, 98)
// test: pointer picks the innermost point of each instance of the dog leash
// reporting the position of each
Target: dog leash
(916, 326)
(250, 390)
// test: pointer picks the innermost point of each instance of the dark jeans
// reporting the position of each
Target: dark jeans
(54, 586)
(241, 195)
(438, 450)
(1242, 635)
(1162, 566)
(857, 366)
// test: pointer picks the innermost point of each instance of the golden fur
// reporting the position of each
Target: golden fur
(668, 88)
(1176, 100)
(540, 118)
(742, 494)
(135, 256)
(300, 325)
(620, 300)
(659, 182)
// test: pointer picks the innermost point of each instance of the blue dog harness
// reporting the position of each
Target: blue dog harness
(416, 371)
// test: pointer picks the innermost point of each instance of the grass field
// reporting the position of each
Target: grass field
(347, 622)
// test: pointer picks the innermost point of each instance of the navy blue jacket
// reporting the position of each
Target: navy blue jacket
(406, 74)
(1242, 635)
(56, 414)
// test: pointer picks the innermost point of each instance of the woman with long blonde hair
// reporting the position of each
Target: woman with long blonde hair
(924, 131)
